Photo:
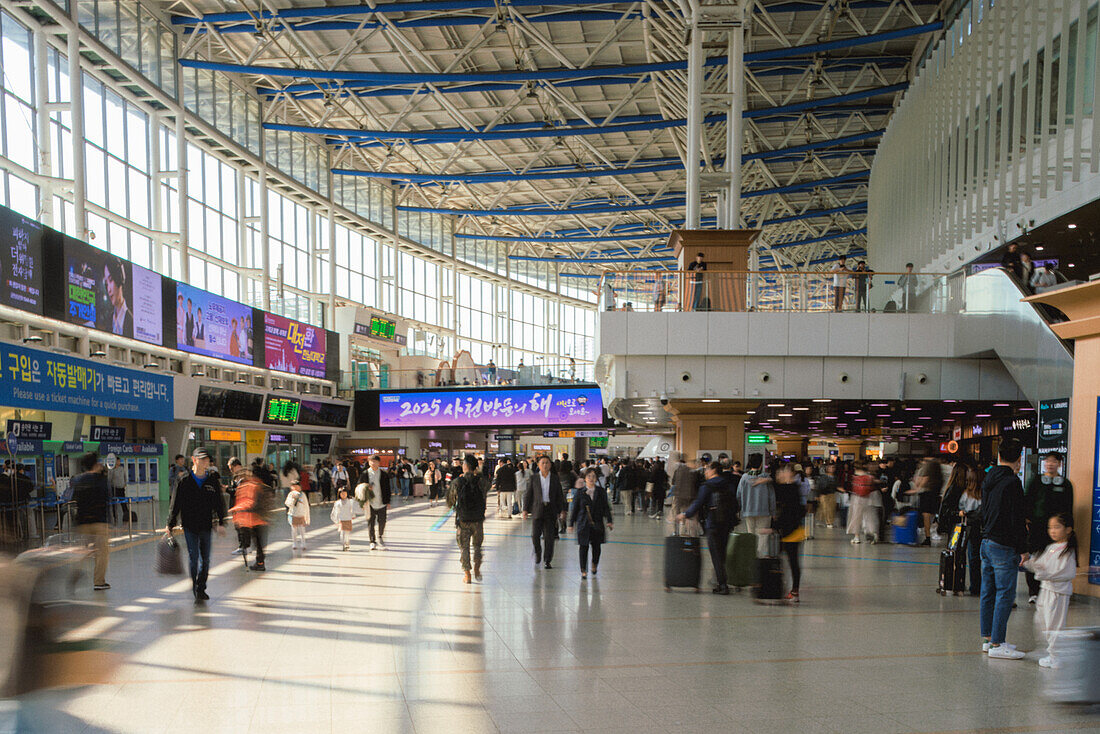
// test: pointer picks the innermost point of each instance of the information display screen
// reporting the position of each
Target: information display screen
(220, 402)
(290, 346)
(211, 325)
(382, 328)
(20, 261)
(105, 292)
(549, 405)
(281, 411)
(330, 415)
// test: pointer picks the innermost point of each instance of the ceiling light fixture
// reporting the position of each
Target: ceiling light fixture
(711, 400)
(823, 400)
(1071, 226)
(775, 405)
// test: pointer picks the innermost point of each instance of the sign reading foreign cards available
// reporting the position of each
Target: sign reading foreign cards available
(30, 378)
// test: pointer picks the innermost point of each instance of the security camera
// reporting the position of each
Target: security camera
(1031, 222)
(664, 399)
(685, 376)
(922, 378)
(843, 376)
(764, 377)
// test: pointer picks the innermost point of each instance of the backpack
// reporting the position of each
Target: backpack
(724, 510)
(461, 498)
(862, 485)
(303, 480)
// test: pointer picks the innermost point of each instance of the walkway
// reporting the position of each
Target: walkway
(393, 641)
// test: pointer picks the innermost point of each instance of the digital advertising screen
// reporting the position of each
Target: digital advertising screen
(20, 261)
(329, 415)
(105, 292)
(293, 347)
(549, 405)
(214, 326)
(222, 402)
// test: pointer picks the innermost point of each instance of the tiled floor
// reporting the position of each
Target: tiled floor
(393, 641)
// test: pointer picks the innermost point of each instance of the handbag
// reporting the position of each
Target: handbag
(649, 487)
(168, 561)
(795, 536)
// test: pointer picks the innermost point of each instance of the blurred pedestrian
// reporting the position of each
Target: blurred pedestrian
(92, 496)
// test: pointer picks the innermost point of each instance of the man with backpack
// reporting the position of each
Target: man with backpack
(719, 503)
(468, 502)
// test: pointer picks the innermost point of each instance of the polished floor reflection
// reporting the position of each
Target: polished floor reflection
(393, 641)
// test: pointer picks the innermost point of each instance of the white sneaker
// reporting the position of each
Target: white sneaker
(1005, 652)
(1032, 599)
(985, 646)
(1048, 662)
(874, 539)
(856, 540)
(237, 551)
(373, 545)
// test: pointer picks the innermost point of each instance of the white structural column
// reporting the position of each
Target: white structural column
(735, 81)
(694, 118)
(181, 192)
(265, 246)
(76, 107)
(42, 125)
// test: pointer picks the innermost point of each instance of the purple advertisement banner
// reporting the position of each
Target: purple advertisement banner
(293, 347)
(536, 406)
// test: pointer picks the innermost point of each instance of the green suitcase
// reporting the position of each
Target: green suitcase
(741, 559)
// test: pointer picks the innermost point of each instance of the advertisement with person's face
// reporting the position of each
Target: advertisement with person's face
(20, 261)
(212, 325)
(293, 347)
(108, 293)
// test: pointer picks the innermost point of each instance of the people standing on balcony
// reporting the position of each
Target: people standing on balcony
(863, 286)
(1027, 271)
(907, 282)
(1010, 260)
(696, 269)
(492, 367)
(841, 273)
(608, 295)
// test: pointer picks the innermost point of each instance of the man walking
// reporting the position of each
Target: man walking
(196, 504)
(1003, 549)
(378, 480)
(250, 516)
(685, 488)
(545, 501)
(92, 498)
(505, 483)
(717, 496)
(469, 507)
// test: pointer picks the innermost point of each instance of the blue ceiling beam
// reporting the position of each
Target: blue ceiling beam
(669, 164)
(591, 260)
(857, 178)
(822, 238)
(841, 43)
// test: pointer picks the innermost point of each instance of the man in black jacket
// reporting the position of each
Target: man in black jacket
(469, 506)
(92, 497)
(1047, 494)
(197, 501)
(545, 502)
(380, 482)
(505, 483)
(718, 500)
(1004, 548)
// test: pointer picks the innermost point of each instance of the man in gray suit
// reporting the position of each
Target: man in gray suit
(545, 502)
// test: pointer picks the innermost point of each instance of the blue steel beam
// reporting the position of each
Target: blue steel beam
(822, 238)
(537, 129)
(591, 260)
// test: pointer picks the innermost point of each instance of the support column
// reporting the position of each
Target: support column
(735, 80)
(331, 261)
(181, 191)
(156, 165)
(694, 121)
(42, 126)
(265, 248)
(76, 107)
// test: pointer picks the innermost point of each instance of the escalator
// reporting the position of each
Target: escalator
(994, 319)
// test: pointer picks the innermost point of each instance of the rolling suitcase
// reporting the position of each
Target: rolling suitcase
(769, 574)
(683, 562)
(953, 564)
(741, 559)
(905, 528)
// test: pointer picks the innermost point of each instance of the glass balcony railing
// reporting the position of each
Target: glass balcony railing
(744, 291)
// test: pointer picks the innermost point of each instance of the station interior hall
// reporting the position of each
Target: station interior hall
(513, 366)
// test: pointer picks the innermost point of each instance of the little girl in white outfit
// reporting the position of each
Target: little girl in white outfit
(1055, 567)
(343, 510)
(297, 513)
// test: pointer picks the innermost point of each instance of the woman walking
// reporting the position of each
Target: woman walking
(433, 477)
(789, 512)
(866, 501)
(970, 512)
(297, 514)
(589, 515)
(343, 510)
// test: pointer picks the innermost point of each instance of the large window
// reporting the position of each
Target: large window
(17, 125)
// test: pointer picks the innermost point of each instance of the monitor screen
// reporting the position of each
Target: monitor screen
(281, 411)
(105, 292)
(20, 261)
(290, 346)
(331, 415)
(212, 325)
(221, 402)
(550, 405)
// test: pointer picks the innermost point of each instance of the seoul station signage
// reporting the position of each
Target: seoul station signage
(545, 405)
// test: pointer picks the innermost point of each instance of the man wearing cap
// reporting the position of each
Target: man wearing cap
(197, 501)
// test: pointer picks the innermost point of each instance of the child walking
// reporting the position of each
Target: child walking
(297, 514)
(1055, 568)
(343, 510)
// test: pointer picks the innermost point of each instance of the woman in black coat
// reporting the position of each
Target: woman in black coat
(787, 524)
(590, 515)
(659, 477)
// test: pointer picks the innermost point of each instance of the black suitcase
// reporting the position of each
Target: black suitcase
(953, 563)
(769, 575)
(683, 562)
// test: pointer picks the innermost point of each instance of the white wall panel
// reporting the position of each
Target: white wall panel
(802, 376)
(755, 385)
(768, 333)
(960, 379)
(808, 334)
(687, 334)
(842, 378)
(727, 333)
(887, 336)
(848, 334)
(694, 368)
(647, 335)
